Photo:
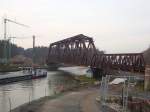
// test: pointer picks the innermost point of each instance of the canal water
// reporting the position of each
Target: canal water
(15, 94)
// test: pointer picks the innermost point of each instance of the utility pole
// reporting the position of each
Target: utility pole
(9, 49)
(10, 46)
(33, 57)
(5, 44)
(5, 20)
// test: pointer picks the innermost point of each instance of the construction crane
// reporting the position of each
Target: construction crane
(5, 26)
(5, 36)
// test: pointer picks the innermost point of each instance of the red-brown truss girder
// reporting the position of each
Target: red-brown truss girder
(80, 50)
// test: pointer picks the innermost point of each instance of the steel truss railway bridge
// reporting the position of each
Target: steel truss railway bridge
(80, 50)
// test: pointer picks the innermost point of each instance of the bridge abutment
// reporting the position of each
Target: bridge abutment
(147, 78)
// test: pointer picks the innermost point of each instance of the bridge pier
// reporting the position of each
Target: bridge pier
(147, 78)
(97, 73)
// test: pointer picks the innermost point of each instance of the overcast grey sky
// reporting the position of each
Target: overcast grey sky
(116, 25)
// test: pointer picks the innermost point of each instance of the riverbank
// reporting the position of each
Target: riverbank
(74, 100)
(86, 87)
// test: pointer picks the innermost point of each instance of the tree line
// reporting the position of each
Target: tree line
(12, 50)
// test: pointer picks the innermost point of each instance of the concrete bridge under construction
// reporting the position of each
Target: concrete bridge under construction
(80, 50)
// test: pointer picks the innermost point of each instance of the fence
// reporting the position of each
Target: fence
(124, 96)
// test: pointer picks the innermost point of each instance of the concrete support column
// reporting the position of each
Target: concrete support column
(147, 78)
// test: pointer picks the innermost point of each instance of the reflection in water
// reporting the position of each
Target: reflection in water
(25, 91)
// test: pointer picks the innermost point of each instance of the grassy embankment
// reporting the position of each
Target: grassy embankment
(86, 81)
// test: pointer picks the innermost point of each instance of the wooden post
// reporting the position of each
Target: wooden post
(147, 78)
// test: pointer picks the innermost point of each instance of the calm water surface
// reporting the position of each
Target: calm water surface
(22, 92)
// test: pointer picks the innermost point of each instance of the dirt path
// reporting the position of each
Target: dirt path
(89, 103)
(78, 101)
